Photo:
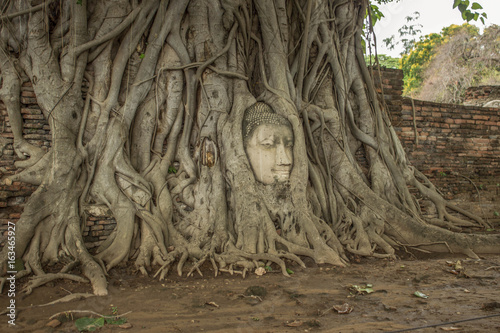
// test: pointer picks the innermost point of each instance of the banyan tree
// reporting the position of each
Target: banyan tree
(227, 133)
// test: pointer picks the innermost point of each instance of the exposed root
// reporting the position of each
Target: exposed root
(65, 299)
(40, 280)
(71, 312)
(429, 190)
(24, 149)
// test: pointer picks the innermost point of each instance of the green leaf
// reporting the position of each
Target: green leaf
(172, 169)
(289, 271)
(420, 294)
(456, 3)
(79, 2)
(475, 5)
(496, 213)
(362, 289)
(268, 268)
(89, 324)
(116, 321)
(142, 56)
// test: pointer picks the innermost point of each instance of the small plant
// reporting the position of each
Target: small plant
(114, 310)
(496, 213)
(442, 173)
(172, 169)
(481, 187)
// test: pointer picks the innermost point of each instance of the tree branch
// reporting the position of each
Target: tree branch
(115, 32)
(26, 11)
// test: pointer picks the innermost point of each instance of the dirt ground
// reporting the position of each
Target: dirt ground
(301, 303)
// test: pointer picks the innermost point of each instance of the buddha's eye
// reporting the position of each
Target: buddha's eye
(267, 144)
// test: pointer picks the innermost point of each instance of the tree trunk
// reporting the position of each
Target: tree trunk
(213, 130)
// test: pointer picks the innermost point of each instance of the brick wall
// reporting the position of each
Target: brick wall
(481, 95)
(456, 144)
(392, 87)
(36, 130)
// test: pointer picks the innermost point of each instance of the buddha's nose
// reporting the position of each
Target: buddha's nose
(282, 157)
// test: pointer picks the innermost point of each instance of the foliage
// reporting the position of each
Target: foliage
(421, 54)
(384, 60)
(465, 58)
(91, 324)
(407, 34)
(413, 62)
(470, 13)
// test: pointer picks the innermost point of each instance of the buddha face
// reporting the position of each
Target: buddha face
(270, 152)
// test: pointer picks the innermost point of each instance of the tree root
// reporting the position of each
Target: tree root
(65, 299)
(71, 312)
(40, 280)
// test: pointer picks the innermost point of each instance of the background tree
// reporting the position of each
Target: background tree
(464, 59)
(384, 60)
(421, 53)
(166, 87)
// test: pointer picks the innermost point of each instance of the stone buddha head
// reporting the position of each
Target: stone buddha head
(268, 142)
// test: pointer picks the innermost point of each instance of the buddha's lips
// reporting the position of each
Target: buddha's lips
(281, 171)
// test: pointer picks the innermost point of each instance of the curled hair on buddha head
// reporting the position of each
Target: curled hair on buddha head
(260, 114)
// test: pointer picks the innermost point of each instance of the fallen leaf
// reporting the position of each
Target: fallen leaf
(367, 289)
(53, 323)
(420, 294)
(295, 323)
(212, 304)
(451, 328)
(344, 308)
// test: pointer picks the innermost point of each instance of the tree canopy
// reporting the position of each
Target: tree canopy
(440, 67)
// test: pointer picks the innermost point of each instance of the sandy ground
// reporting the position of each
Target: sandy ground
(182, 304)
(301, 303)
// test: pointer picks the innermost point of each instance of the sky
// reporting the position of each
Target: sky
(434, 15)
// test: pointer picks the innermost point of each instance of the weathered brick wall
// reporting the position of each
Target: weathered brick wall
(458, 146)
(481, 95)
(13, 197)
(392, 86)
(36, 131)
